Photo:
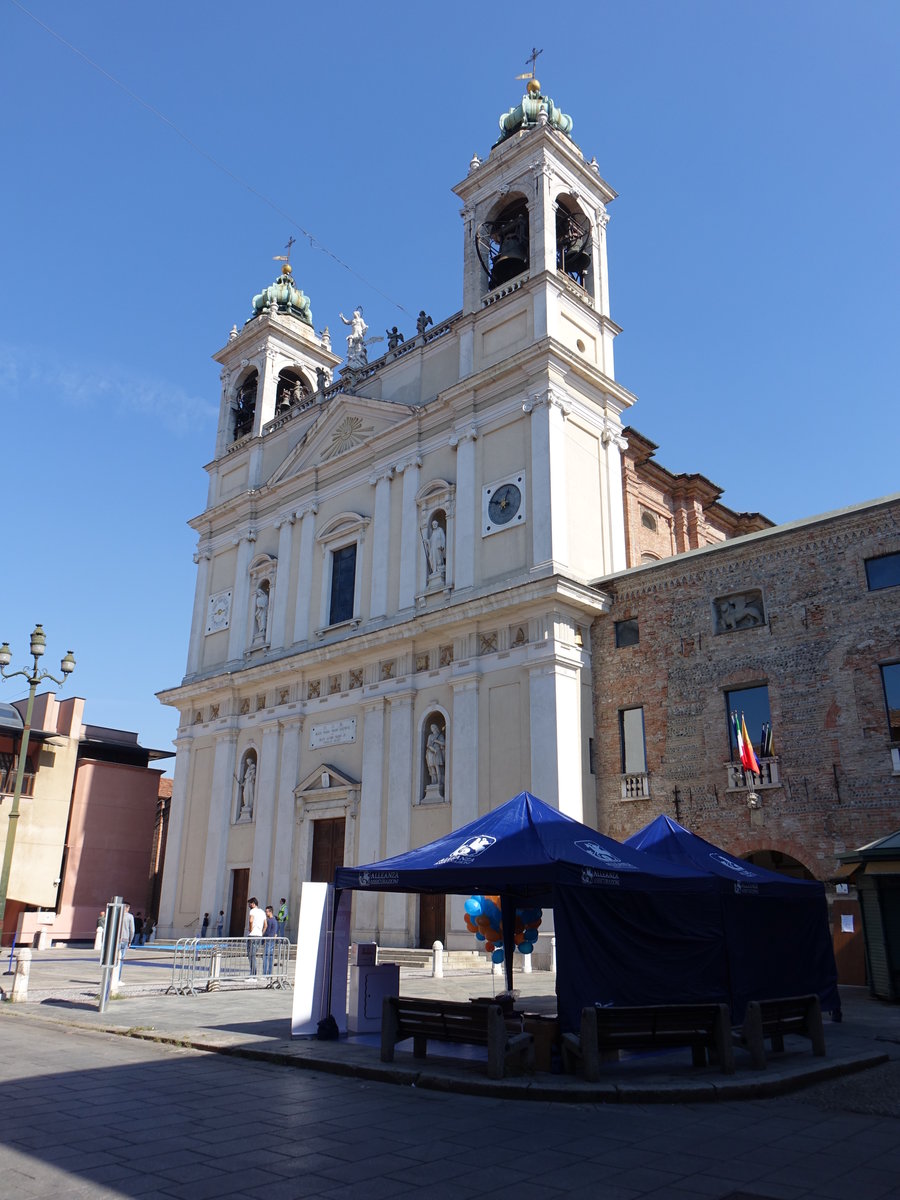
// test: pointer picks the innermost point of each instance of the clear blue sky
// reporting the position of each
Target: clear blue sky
(753, 255)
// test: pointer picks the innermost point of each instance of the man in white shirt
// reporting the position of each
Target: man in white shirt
(257, 922)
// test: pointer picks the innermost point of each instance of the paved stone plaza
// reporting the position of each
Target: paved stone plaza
(92, 1114)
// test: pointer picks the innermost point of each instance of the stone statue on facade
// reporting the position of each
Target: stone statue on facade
(357, 355)
(260, 614)
(248, 789)
(422, 323)
(436, 550)
(435, 745)
(394, 338)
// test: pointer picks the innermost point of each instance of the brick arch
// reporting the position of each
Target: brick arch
(749, 844)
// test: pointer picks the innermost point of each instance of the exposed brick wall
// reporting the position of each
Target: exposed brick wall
(818, 652)
(668, 514)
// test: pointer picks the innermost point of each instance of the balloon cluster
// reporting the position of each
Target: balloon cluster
(483, 918)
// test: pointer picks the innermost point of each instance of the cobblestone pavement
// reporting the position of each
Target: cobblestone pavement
(87, 1114)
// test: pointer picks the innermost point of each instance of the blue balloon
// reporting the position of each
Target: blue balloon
(497, 956)
(525, 948)
(530, 936)
(480, 937)
(491, 911)
(473, 906)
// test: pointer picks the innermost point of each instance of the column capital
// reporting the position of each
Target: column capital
(414, 460)
(284, 519)
(385, 474)
(612, 435)
(249, 535)
(549, 398)
(470, 433)
(204, 553)
(307, 510)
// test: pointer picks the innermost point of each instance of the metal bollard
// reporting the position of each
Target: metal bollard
(553, 955)
(437, 960)
(20, 982)
(526, 963)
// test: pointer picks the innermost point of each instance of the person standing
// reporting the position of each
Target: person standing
(126, 934)
(257, 923)
(204, 925)
(220, 923)
(282, 917)
(138, 929)
(270, 932)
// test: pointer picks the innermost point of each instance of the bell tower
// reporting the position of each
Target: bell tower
(535, 217)
(273, 366)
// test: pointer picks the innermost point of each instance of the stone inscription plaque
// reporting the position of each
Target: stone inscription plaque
(332, 733)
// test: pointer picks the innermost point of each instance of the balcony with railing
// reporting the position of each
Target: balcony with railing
(636, 786)
(741, 780)
(8, 782)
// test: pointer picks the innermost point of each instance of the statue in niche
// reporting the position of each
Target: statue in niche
(435, 745)
(436, 550)
(260, 613)
(248, 789)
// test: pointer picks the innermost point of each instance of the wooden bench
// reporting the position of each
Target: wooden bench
(448, 1021)
(772, 1019)
(607, 1031)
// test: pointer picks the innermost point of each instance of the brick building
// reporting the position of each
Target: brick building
(798, 628)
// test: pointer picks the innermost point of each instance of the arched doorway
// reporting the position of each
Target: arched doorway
(777, 860)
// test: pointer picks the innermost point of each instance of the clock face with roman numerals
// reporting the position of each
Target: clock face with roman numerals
(503, 504)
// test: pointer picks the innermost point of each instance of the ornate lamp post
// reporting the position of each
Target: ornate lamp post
(34, 677)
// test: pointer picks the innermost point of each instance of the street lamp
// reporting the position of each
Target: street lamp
(34, 677)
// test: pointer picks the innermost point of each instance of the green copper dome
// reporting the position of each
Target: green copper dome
(534, 109)
(285, 294)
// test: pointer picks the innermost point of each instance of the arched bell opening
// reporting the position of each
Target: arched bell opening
(573, 241)
(293, 388)
(503, 243)
(245, 404)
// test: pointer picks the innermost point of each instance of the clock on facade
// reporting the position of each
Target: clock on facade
(503, 504)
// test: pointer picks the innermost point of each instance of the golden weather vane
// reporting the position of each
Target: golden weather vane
(532, 58)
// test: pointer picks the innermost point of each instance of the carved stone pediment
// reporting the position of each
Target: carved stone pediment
(327, 789)
(344, 425)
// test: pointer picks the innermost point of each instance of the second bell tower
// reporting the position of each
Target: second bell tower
(535, 216)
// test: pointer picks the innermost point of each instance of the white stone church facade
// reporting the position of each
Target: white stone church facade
(390, 634)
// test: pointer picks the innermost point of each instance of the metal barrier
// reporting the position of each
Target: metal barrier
(205, 964)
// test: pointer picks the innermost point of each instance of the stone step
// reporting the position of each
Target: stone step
(409, 956)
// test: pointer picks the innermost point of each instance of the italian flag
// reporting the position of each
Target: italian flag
(745, 746)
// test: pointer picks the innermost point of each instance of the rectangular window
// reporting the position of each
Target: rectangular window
(890, 676)
(883, 572)
(627, 633)
(343, 583)
(631, 732)
(753, 703)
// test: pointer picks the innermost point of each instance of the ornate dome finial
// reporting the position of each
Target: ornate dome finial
(285, 297)
(534, 109)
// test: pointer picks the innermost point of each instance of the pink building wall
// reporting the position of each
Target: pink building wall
(110, 838)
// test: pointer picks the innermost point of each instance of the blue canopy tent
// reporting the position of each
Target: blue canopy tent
(776, 928)
(629, 928)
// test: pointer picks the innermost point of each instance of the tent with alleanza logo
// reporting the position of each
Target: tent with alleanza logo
(630, 928)
(777, 934)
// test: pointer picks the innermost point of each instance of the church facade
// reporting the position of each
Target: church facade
(391, 631)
